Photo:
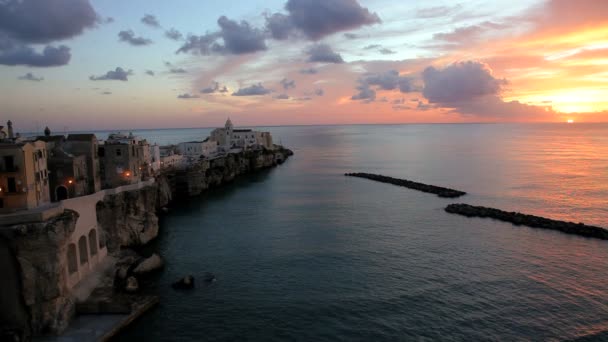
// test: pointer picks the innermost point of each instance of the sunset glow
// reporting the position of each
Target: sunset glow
(534, 61)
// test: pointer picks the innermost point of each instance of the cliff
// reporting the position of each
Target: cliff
(34, 296)
(128, 219)
(211, 173)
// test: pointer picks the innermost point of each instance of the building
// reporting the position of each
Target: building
(228, 138)
(155, 158)
(125, 159)
(68, 175)
(24, 182)
(197, 149)
(88, 146)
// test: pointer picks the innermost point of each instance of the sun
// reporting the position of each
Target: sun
(570, 121)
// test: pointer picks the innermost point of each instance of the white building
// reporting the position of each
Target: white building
(172, 161)
(198, 149)
(229, 137)
(155, 157)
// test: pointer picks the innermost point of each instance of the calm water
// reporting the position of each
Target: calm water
(303, 253)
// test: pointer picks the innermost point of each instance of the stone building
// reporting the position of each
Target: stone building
(197, 149)
(87, 145)
(68, 176)
(125, 159)
(228, 138)
(24, 182)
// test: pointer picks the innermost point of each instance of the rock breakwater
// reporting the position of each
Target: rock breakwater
(432, 189)
(532, 221)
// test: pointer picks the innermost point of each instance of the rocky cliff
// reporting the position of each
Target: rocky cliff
(211, 173)
(34, 296)
(128, 219)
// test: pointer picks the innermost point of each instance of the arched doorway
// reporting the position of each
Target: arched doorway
(82, 248)
(61, 193)
(93, 242)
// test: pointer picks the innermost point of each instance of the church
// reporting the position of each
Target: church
(228, 138)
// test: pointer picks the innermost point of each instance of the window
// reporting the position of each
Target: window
(12, 185)
(9, 163)
(118, 152)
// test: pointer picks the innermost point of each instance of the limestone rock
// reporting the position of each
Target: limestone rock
(150, 264)
(185, 283)
(132, 285)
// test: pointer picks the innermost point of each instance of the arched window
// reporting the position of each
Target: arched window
(82, 248)
(93, 242)
(72, 259)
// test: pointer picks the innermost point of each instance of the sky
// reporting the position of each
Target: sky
(110, 64)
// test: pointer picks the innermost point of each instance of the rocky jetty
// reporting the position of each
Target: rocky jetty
(432, 189)
(528, 220)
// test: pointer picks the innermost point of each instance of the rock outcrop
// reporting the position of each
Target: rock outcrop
(528, 220)
(151, 264)
(212, 173)
(128, 219)
(437, 190)
(33, 295)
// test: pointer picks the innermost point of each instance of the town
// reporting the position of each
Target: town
(37, 171)
(73, 207)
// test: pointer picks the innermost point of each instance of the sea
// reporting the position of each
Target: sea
(302, 253)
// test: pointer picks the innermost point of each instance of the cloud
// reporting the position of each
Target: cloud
(187, 96)
(319, 92)
(20, 54)
(151, 21)
(35, 21)
(238, 38)
(349, 35)
(460, 82)
(323, 53)
(150, 72)
(214, 88)
(365, 93)
(178, 71)
(386, 51)
(372, 47)
(316, 19)
(30, 77)
(113, 75)
(106, 93)
(282, 97)
(287, 84)
(309, 71)
(279, 25)
(253, 90)
(108, 20)
(173, 34)
(129, 37)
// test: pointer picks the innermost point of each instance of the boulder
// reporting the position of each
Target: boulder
(185, 283)
(150, 264)
(132, 285)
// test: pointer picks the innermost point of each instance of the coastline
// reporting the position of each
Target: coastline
(126, 221)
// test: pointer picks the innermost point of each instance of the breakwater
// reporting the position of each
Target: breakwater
(528, 220)
(432, 189)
